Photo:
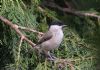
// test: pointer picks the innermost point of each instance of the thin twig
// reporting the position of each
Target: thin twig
(18, 55)
(30, 29)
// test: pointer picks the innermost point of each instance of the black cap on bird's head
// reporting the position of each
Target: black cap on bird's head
(56, 22)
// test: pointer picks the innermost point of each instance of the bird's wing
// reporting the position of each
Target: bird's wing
(46, 36)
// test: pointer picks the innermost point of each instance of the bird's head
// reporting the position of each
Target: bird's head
(57, 24)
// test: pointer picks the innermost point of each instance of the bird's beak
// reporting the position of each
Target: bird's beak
(64, 26)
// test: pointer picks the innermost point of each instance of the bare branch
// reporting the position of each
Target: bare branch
(15, 27)
(70, 11)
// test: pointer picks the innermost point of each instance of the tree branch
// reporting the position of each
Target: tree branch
(69, 11)
(15, 27)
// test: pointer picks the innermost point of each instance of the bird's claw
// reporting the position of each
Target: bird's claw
(51, 58)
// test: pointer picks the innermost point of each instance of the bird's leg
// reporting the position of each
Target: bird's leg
(49, 56)
(52, 55)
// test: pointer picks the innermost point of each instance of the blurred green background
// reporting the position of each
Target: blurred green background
(81, 38)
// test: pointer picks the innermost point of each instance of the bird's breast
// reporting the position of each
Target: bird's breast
(57, 37)
(54, 42)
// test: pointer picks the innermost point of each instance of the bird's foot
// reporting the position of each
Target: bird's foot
(51, 58)
(54, 57)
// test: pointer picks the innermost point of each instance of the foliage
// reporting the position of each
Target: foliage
(81, 41)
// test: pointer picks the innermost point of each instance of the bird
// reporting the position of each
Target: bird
(52, 38)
